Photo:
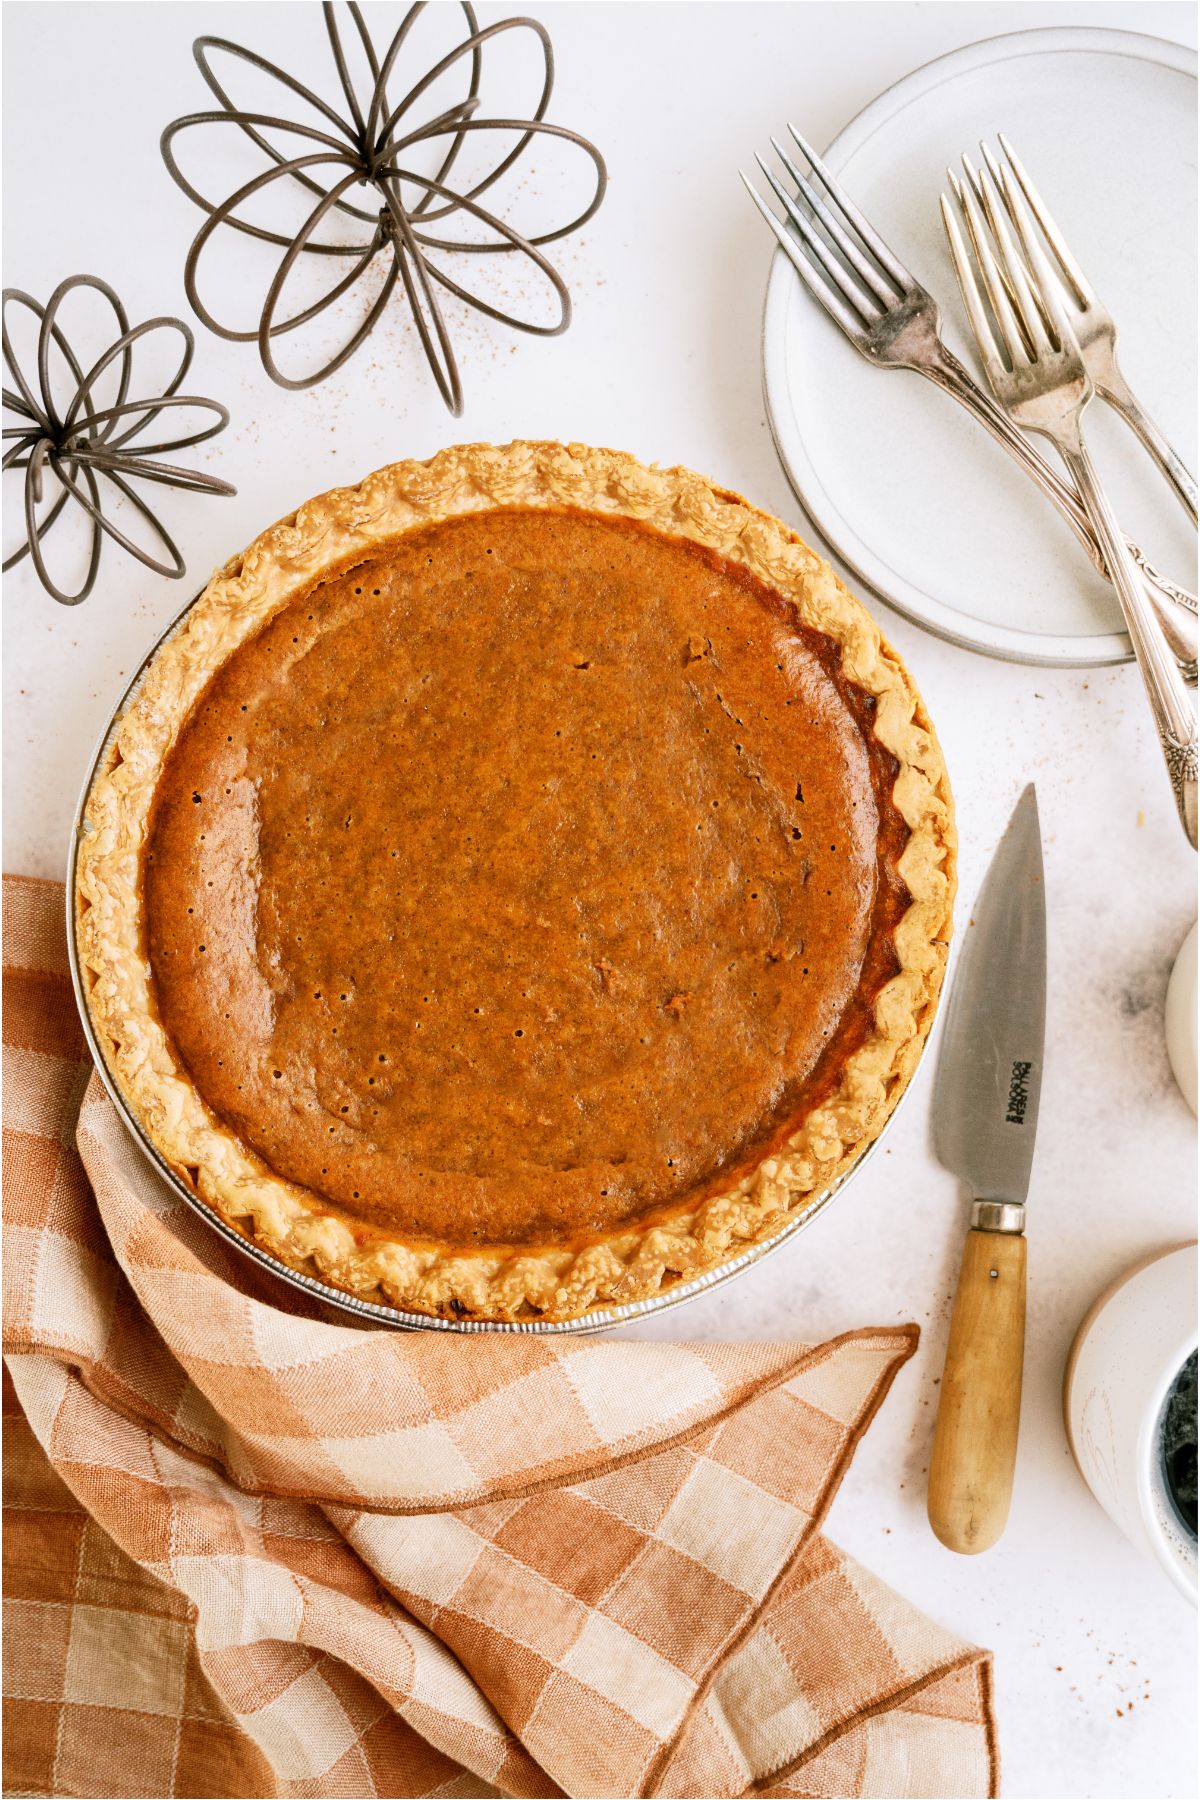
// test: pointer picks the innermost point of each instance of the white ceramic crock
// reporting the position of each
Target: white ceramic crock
(1120, 1370)
(1181, 1019)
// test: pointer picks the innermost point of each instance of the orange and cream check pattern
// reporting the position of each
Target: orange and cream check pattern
(253, 1549)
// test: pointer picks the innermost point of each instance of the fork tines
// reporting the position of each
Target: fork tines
(845, 264)
(998, 189)
(1076, 281)
(1015, 319)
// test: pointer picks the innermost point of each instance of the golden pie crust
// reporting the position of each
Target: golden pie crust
(533, 1277)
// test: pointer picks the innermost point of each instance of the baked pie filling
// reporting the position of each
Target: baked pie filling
(534, 901)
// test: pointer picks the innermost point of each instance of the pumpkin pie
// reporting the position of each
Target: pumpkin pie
(518, 885)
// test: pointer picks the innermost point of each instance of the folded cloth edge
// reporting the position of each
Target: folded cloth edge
(93, 1376)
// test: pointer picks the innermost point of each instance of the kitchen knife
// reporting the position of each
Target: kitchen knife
(985, 1108)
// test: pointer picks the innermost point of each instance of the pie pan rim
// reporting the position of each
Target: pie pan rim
(548, 475)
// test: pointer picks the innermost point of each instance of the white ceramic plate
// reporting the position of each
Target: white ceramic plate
(906, 490)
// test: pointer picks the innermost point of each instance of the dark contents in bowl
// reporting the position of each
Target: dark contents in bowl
(1179, 1443)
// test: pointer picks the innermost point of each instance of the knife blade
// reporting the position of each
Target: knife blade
(985, 1111)
(989, 1074)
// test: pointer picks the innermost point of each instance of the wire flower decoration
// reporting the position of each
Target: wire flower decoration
(84, 442)
(367, 146)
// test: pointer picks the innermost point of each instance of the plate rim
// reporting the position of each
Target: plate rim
(1007, 643)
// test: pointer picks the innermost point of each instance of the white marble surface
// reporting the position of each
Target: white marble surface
(1095, 1663)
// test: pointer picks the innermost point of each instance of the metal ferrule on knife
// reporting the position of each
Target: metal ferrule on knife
(997, 1215)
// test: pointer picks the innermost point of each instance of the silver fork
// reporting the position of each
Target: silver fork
(1033, 361)
(1092, 324)
(894, 322)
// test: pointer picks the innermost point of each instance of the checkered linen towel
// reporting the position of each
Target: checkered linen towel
(252, 1549)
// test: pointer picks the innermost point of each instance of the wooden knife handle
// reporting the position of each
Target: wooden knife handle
(975, 1440)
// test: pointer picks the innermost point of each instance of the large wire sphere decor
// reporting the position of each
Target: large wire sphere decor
(357, 166)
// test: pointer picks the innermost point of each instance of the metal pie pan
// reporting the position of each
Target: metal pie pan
(602, 1319)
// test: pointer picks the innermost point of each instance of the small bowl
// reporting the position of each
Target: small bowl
(1122, 1367)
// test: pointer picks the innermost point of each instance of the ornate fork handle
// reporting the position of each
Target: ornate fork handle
(1172, 604)
(1173, 716)
(1179, 595)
